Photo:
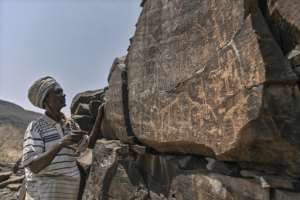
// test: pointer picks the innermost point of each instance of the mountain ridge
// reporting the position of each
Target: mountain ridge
(13, 122)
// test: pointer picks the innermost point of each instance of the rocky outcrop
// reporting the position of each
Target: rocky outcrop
(210, 78)
(116, 107)
(121, 172)
(11, 178)
(84, 107)
(210, 89)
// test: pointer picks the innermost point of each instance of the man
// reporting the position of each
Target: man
(51, 145)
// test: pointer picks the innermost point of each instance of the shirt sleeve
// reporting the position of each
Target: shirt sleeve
(33, 145)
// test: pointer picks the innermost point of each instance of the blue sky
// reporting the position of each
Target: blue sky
(74, 41)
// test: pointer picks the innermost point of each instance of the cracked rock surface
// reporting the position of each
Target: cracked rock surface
(117, 173)
(210, 89)
(210, 78)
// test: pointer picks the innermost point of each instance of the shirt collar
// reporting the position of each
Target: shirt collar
(49, 120)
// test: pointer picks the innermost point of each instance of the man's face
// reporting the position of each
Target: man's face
(56, 98)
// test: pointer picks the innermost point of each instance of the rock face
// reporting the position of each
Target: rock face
(210, 88)
(85, 98)
(114, 121)
(119, 172)
(210, 78)
(285, 195)
(284, 20)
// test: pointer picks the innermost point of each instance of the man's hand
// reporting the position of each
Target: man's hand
(67, 140)
(96, 130)
(46, 158)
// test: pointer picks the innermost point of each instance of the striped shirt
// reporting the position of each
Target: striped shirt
(39, 138)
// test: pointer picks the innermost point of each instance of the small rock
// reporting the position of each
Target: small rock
(285, 195)
(7, 194)
(16, 179)
(4, 176)
(138, 149)
(14, 186)
(84, 121)
(189, 162)
(85, 158)
(82, 109)
(220, 167)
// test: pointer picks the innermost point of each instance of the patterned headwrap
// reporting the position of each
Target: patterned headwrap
(38, 91)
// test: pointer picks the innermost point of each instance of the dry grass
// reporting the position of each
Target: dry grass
(11, 141)
(13, 122)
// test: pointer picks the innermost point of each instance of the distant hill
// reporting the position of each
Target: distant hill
(13, 123)
(16, 115)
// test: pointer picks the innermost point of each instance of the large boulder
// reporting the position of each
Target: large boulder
(87, 97)
(114, 122)
(84, 107)
(209, 78)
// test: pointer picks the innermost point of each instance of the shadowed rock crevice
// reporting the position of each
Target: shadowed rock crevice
(110, 173)
(169, 177)
(281, 96)
(281, 22)
(284, 23)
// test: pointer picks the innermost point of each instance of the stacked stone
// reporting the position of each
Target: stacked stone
(211, 91)
(11, 178)
(84, 107)
(119, 171)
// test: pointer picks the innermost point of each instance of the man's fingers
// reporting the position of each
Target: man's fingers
(80, 132)
(67, 140)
